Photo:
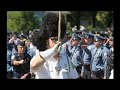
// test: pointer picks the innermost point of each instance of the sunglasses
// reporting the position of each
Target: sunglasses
(54, 38)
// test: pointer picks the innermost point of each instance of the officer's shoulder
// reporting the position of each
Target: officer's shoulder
(28, 55)
(105, 49)
(15, 54)
(92, 47)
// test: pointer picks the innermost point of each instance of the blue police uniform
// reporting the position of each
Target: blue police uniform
(109, 63)
(99, 60)
(9, 66)
(87, 55)
(63, 48)
(21, 69)
(91, 46)
(75, 54)
(86, 63)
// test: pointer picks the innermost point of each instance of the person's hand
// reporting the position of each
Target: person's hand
(82, 39)
(52, 51)
(104, 77)
(21, 61)
(71, 39)
(24, 76)
(11, 40)
(107, 41)
(58, 46)
(83, 46)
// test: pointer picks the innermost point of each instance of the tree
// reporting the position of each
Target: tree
(104, 18)
(74, 18)
(22, 21)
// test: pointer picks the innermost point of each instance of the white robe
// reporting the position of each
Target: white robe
(48, 71)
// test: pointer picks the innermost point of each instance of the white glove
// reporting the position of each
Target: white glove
(51, 52)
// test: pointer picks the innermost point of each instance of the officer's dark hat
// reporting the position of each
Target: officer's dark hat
(97, 37)
(21, 43)
(76, 37)
(89, 35)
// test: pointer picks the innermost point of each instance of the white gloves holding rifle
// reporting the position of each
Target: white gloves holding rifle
(52, 51)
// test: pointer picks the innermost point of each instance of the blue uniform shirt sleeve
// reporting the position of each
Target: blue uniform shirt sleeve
(87, 56)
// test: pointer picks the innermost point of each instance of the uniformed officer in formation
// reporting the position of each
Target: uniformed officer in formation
(99, 59)
(75, 54)
(89, 40)
(80, 56)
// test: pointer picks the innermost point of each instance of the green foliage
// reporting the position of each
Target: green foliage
(104, 18)
(21, 21)
(74, 18)
(90, 28)
(69, 28)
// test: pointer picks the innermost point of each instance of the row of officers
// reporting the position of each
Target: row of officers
(90, 54)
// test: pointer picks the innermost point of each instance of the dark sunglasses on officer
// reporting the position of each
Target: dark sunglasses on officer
(54, 39)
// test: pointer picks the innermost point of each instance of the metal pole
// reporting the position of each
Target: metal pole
(59, 26)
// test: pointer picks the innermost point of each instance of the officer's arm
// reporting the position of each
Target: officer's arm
(15, 62)
(87, 51)
(68, 52)
(36, 62)
(87, 55)
(39, 59)
(68, 48)
(18, 62)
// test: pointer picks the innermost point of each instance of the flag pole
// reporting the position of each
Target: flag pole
(59, 26)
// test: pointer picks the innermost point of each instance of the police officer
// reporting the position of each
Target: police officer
(20, 61)
(76, 54)
(86, 71)
(89, 39)
(99, 59)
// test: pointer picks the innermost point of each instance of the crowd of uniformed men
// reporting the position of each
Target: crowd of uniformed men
(91, 53)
